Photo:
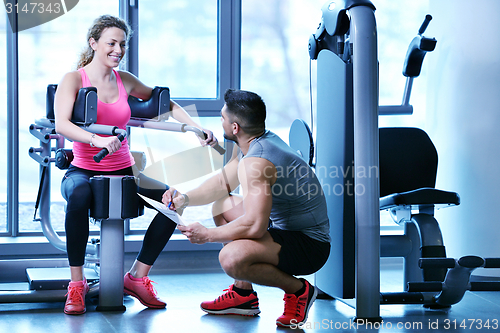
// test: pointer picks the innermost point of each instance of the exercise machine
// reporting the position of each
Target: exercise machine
(114, 203)
(357, 163)
(345, 48)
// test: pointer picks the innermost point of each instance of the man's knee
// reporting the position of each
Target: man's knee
(227, 209)
(217, 207)
(230, 262)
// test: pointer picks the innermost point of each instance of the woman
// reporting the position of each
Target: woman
(107, 41)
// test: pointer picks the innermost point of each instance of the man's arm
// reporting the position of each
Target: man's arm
(212, 189)
(256, 177)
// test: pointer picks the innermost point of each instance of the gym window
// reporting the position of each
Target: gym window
(189, 48)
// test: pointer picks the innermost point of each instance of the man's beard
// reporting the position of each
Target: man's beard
(231, 138)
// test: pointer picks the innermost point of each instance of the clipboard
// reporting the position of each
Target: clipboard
(164, 210)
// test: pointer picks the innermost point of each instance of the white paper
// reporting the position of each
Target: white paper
(172, 214)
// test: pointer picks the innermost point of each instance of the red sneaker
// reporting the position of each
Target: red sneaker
(75, 302)
(296, 308)
(231, 303)
(143, 290)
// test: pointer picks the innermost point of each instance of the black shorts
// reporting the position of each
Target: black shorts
(300, 254)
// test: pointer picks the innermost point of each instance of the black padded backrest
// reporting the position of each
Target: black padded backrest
(84, 109)
(155, 108)
(49, 105)
(408, 160)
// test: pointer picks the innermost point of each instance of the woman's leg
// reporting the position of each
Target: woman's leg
(76, 190)
(159, 231)
(136, 281)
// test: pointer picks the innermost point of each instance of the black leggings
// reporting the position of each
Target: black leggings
(75, 188)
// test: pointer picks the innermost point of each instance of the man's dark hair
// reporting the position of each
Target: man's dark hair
(247, 109)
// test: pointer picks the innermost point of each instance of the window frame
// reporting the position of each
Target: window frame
(12, 124)
(228, 49)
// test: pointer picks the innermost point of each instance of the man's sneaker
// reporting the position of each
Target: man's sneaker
(143, 290)
(75, 302)
(296, 308)
(231, 303)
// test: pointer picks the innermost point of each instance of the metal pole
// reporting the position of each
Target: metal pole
(366, 149)
(112, 262)
(112, 249)
(12, 123)
(129, 11)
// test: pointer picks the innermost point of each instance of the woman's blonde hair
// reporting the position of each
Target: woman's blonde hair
(95, 31)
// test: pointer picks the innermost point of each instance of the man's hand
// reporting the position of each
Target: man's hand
(195, 232)
(172, 199)
(210, 139)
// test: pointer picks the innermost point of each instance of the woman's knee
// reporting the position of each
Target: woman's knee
(146, 184)
(78, 195)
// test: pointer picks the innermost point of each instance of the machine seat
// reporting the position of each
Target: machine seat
(408, 170)
(420, 197)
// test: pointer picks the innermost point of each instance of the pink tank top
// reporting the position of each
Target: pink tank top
(114, 114)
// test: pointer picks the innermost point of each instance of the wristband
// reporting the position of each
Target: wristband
(91, 137)
(186, 201)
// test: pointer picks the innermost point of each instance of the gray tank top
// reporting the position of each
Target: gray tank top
(298, 200)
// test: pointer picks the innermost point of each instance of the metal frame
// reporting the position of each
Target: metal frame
(229, 52)
(366, 147)
(12, 125)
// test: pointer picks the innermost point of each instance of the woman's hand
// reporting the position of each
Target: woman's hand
(111, 143)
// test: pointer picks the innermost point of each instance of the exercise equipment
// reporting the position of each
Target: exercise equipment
(345, 48)
(408, 169)
(351, 151)
(115, 200)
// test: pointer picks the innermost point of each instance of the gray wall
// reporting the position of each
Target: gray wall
(463, 118)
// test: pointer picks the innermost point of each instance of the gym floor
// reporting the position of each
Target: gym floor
(183, 293)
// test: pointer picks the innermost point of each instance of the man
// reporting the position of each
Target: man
(278, 228)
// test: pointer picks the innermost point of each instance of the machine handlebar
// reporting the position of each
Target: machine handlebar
(104, 151)
(217, 147)
(419, 46)
(424, 25)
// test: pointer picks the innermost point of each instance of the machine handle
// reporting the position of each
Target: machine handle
(492, 263)
(436, 263)
(217, 147)
(424, 25)
(419, 46)
(203, 136)
(104, 151)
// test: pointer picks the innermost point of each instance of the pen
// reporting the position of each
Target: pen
(173, 196)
